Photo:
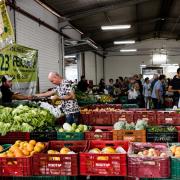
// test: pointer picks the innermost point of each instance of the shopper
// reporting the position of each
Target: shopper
(7, 94)
(147, 92)
(65, 93)
(157, 92)
(82, 84)
(175, 87)
(133, 94)
(102, 86)
(154, 80)
(110, 87)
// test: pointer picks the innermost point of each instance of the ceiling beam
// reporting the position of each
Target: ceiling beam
(145, 35)
(165, 8)
(116, 5)
(92, 30)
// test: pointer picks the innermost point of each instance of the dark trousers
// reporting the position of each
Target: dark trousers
(157, 104)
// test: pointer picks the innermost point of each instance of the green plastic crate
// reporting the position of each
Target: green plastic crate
(6, 147)
(126, 106)
(69, 136)
(123, 99)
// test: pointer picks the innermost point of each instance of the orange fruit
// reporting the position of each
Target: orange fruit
(25, 152)
(37, 149)
(64, 150)
(18, 154)
(3, 155)
(40, 144)
(10, 154)
(30, 147)
(18, 142)
(13, 147)
(33, 142)
(1, 148)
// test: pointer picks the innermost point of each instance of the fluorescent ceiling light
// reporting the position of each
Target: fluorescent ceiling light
(128, 50)
(70, 56)
(124, 42)
(115, 27)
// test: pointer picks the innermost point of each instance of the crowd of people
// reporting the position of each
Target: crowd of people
(148, 93)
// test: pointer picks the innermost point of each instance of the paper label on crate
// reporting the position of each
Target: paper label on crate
(149, 162)
(169, 120)
(122, 119)
(129, 138)
(102, 164)
(145, 118)
(54, 165)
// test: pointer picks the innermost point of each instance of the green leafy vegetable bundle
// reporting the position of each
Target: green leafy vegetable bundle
(24, 119)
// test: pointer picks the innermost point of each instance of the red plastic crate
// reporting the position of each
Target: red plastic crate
(126, 115)
(168, 117)
(149, 115)
(11, 137)
(106, 133)
(16, 166)
(85, 119)
(104, 164)
(101, 118)
(58, 164)
(148, 167)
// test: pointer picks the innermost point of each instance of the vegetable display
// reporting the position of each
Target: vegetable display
(122, 124)
(24, 119)
(73, 128)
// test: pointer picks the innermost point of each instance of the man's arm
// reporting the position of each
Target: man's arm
(21, 97)
(46, 94)
(170, 89)
(69, 96)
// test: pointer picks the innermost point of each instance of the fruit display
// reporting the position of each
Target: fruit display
(175, 150)
(105, 98)
(152, 152)
(98, 109)
(149, 160)
(84, 98)
(104, 158)
(107, 150)
(23, 149)
(60, 159)
(141, 124)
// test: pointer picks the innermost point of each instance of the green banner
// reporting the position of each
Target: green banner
(6, 30)
(21, 63)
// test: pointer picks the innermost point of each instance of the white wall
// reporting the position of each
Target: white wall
(90, 72)
(31, 34)
(99, 64)
(93, 67)
(118, 64)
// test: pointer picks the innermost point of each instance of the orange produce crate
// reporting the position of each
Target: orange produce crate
(104, 164)
(16, 166)
(45, 164)
(130, 135)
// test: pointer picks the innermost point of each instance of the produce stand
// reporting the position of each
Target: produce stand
(101, 117)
